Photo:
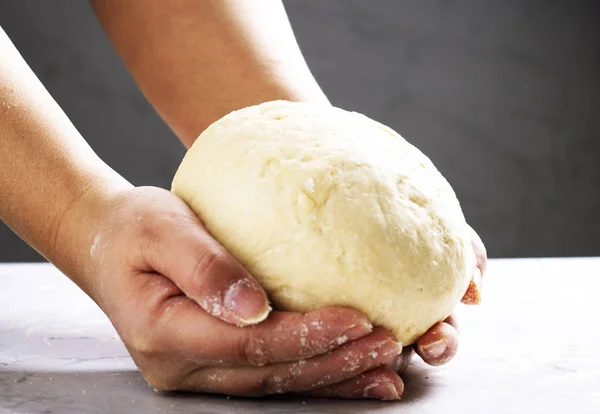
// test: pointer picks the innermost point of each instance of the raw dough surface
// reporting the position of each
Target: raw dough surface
(329, 207)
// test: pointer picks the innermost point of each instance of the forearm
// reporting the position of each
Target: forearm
(197, 60)
(45, 165)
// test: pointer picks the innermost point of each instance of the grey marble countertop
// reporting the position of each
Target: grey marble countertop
(531, 347)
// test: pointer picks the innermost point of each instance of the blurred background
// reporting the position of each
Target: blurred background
(503, 96)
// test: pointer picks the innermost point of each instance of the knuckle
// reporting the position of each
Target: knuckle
(154, 365)
(254, 351)
(480, 257)
(401, 362)
(142, 345)
(141, 342)
(292, 378)
(479, 249)
(211, 260)
(276, 383)
(159, 382)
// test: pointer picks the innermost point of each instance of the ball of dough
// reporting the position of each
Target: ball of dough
(329, 207)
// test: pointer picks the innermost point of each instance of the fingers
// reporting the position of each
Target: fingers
(284, 336)
(473, 294)
(380, 384)
(438, 345)
(451, 320)
(182, 250)
(400, 363)
(480, 251)
(346, 362)
(290, 336)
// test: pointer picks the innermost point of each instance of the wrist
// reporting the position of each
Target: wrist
(75, 234)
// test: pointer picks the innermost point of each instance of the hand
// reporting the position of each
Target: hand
(187, 311)
(436, 347)
(439, 345)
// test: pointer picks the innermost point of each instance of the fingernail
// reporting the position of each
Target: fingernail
(356, 331)
(381, 391)
(434, 350)
(247, 302)
(473, 294)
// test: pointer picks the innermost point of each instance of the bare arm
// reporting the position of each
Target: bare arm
(45, 164)
(196, 61)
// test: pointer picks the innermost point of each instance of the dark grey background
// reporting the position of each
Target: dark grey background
(503, 96)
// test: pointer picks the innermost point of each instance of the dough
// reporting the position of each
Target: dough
(329, 207)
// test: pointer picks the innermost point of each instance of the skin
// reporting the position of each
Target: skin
(191, 317)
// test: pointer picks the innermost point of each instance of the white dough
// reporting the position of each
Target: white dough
(328, 207)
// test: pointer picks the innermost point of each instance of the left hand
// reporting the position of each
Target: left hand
(436, 347)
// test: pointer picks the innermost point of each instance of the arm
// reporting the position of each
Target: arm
(45, 164)
(196, 61)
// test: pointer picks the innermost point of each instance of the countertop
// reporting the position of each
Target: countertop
(531, 347)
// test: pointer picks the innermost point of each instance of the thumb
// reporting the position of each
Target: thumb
(183, 251)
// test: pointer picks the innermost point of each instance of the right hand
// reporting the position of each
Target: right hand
(186, 311)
